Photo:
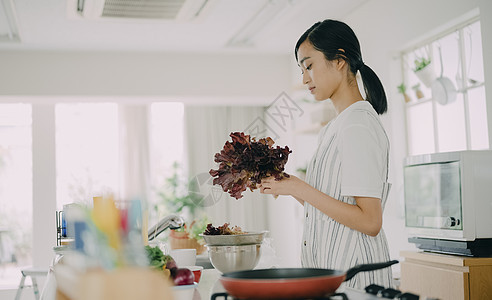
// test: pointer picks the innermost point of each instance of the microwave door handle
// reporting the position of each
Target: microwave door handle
(439, 222)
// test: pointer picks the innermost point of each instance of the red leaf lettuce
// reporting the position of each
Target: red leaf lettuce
(245, 161)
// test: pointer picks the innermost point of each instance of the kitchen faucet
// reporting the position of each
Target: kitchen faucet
(171, 222)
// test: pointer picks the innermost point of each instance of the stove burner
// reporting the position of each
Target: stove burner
(337, 296)
(373, 289)
(378, 292)
(389, 293)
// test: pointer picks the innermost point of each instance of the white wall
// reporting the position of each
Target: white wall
(384, 28)
(142, 74)
(44, 184)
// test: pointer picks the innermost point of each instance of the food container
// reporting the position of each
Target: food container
(181, 240)
(234, 258)
(249, 238)
(184, 257)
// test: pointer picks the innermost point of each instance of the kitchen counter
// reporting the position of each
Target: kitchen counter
(446, 276)
(209, 284)
(72, 285)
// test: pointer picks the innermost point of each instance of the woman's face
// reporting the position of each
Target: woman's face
(322, 77)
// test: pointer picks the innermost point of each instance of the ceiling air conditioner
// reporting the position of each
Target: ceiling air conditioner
(167, 10)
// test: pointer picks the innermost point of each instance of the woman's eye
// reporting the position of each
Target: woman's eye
(309, 67)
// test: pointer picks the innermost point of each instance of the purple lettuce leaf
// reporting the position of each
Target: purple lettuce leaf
(244, 162)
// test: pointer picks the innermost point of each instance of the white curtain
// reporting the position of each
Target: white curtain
(134, 151)
(207, 130)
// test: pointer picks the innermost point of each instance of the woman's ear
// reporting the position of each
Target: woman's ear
(341, 63)
(341, 60)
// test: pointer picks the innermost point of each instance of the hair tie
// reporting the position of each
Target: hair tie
(360, 64)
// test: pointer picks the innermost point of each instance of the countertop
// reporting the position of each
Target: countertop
(209, 284)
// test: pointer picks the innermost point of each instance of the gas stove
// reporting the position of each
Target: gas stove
(371, 292)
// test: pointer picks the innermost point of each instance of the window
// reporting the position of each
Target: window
(438, 122)
(15, 191)
(167, 148)
(87, 151)
(87, 163)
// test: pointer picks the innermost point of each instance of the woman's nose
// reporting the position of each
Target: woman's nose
(305, 78)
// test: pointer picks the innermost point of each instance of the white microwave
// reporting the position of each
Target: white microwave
(448, 201)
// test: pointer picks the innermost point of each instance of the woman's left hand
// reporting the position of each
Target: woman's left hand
(285, 186)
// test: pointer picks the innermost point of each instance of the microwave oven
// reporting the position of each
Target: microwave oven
(448, 201)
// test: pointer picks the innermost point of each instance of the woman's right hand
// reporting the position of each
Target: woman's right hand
(285, 186)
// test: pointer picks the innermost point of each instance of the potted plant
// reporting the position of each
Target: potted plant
(402, 89)
(424, 71)
(175, 197)
(189, 236)
(418, 92)
(301, 172)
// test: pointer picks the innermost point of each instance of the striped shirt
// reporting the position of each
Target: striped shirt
(351, 160)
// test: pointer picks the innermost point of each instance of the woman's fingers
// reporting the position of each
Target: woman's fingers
(266, 185)
(266, 180)
(264, 189)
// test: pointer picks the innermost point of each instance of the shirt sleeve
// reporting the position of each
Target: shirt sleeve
(361, 162)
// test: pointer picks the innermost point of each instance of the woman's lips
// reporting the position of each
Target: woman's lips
(311, 89)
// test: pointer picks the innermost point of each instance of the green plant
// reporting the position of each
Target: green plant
(195, 228)
(402, 88)
(302, 170)
(175, 194)
(421, 63)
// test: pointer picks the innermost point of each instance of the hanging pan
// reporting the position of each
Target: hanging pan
(443, 90)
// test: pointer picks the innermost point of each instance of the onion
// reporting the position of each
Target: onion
(183, 276)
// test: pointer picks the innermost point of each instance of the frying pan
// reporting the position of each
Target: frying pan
(443, 90)
(290, 283)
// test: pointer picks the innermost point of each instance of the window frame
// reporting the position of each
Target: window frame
(428, 43)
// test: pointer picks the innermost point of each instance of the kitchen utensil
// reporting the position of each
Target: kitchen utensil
(463, 86)
(184, 257)
(171, 222)
(234, 239)
(459, 79)
(234, 258)
(443, 90)
(291, 283)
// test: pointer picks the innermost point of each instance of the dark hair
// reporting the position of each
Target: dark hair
(337, 40)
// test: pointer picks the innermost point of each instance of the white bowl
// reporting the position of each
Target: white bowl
(184, 292)
(184, 257)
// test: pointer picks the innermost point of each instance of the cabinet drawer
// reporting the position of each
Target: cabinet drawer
(427, 280)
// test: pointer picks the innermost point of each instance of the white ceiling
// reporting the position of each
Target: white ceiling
(51, 25)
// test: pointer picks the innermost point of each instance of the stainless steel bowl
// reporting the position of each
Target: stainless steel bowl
(234, 258)
(234, 239)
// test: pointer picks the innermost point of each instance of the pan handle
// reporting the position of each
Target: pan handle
(367, 267)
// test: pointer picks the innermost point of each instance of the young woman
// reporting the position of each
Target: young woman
(346, 182)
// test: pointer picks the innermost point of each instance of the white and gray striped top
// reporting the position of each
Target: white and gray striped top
(351, 160)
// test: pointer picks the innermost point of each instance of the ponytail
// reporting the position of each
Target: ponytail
(337, 40)
(374, 89)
